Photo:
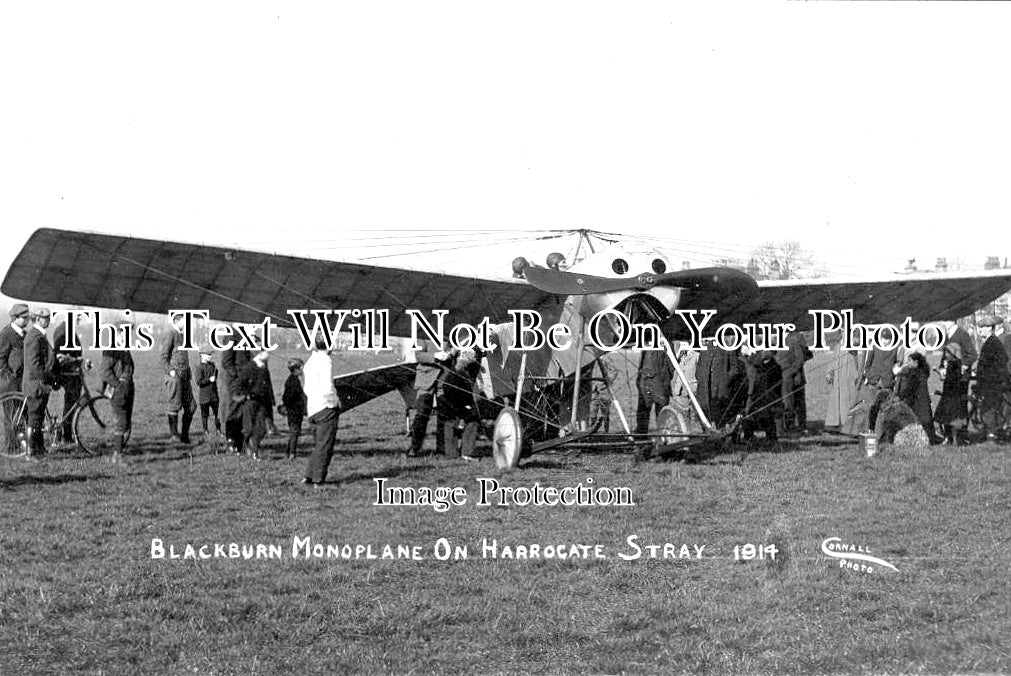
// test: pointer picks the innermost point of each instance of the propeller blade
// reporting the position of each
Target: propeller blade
(567, 283)
(572, 283)
(700, 278)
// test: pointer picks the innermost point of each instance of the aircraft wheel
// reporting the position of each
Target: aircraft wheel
(672, 426)
(507, 438)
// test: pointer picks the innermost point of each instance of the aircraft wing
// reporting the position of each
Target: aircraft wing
(923, 297)
(354, 389)
(144, 275)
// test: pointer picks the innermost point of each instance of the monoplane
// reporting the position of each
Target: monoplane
(542, 393)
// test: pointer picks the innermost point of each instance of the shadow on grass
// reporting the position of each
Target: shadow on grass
(48, 480)
(788, 444)
(834, 440)
(383, 473)
(542, 463)
(166, 455)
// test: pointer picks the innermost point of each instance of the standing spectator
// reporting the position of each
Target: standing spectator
(207, 382)
(792, 361)
(722, 384)
(431, 375)
(911, 386)
(458, 405)
(843, 377)
(879, 377)
(654, 386)
(952, 412)
(38, 377)
(116, 372)
(69, 362)
(601, 400)
(688, 360)
(293, 404)
(765, 406)
(991, 378)
(408, 391)
(965, 342)
(323, 408)
(233, 360)
(1005, 340)
(961, 337)
(12, 349)
(257, 394)
(269, 419)
(12, 363)
(178, 382)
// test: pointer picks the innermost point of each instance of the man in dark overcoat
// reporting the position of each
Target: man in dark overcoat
(12, 364)
(38, 378)
(233, 361)
(69, 362)
(12, 349)
(722, 388)
(794, 383)
(654, 386)
(991, 378)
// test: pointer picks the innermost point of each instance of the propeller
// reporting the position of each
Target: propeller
(567, 283)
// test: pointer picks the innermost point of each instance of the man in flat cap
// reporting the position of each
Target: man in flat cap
(12, 349)
(12, 360)
(38, 377)
(991, 378)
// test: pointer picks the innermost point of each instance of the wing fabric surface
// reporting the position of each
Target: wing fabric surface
(925, 297)
(354, 389)
(143, 275)
(110, 271)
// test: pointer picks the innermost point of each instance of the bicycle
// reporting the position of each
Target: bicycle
(91, 417)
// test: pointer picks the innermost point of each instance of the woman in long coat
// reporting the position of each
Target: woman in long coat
(842, 376)
(952, 412)
(911, 386)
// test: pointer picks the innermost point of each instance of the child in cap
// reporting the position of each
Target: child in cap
(293, 404)
(207, 381)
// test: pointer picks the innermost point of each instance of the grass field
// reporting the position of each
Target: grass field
(80, 591)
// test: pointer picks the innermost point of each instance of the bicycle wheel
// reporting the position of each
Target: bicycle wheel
(13, 427)
(95, 426)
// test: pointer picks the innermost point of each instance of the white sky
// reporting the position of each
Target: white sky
(869, 132)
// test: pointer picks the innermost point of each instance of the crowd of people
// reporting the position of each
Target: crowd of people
(870, 391)
(881, 390)
(764, 390)
(446, 385)
(758, 390)
(32, 364)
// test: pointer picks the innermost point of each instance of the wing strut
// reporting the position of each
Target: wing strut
(579, 372)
